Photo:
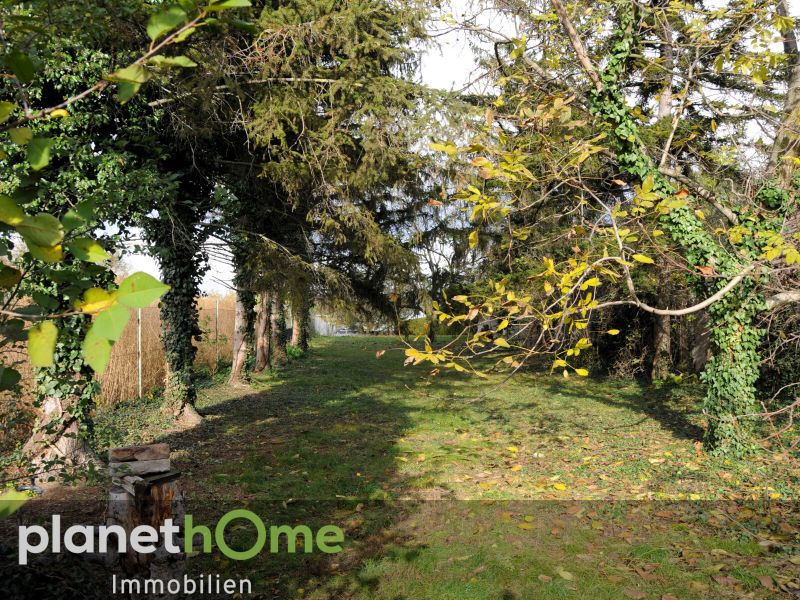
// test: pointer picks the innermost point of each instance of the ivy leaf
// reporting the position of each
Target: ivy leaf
(10, 212)
(111, 322)
(21, 65)
(140, 290)
(88, 249)
(96, 350)
(6, 108)
(9, 378)
(39, 152)
(42, 230)
(173, 61)
(643, 259)
(226, 4)
(42, 343)
(20, 135)
(164, 21)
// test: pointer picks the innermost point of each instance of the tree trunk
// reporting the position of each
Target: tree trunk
(240, 336)
(262, 331)
(301, 321)
(786, 140)
(57, 443)
(277, 326)
(662, 334)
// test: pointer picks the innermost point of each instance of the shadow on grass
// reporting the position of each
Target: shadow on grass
(316, 447)
(657, 403)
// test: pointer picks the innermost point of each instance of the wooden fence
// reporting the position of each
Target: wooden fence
(136, 366)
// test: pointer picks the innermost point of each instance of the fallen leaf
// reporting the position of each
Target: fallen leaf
(635, 594)
(545, 578)
(380, 353)
(767, 582)
(668, 597)
(566, 575)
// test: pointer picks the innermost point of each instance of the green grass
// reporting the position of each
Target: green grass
(454, 487)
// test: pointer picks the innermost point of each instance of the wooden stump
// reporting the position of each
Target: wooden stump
(145, 492)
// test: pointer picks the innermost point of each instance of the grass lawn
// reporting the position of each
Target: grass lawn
(458, 488)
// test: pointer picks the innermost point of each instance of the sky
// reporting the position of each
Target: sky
(449, 64)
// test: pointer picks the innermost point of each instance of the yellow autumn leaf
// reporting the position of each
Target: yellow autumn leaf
(560, 486)
(643, 259)
(613, 332)
(502, 343)
(95, 300)
(473, 239)
(582, 372)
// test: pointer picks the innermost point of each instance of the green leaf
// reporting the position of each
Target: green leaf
(42, 230)
(181, 37)
(173, 61)
(88, 249)
(126, 90)
(96, 350)
(140, 290)
(42, 343)
(10, 502)
(21, 65)
(86, 209)
(45, 300)
(9, 277)
(133, 74)
(72, 220)
(20, 135)
(111, 322)
(39, 152)
(9, 378)
(50, 254)
(10, 212)
(6, 108)
(226, 4)
(164, 21)
(643, 259)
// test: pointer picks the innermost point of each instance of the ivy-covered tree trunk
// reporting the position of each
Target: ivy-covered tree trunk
(730, 376)
(65, 396)
(178, 235)
(277, 341)
(263, 331)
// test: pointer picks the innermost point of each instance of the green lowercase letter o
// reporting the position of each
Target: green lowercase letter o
(219, 534)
